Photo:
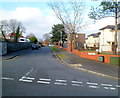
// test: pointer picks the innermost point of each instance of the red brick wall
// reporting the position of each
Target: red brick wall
(85, 54)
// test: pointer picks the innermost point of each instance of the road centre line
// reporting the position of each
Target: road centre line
(25, 80)
(29, 78)
(75, 85)
(92, 83)
(112, 88)
(91, 86)
(117, 85)
(60, 83)
(60, 80)
(106, 84)
(76, 82)
(5, 78)
(43, 82)
(44, 79)
(106, 87)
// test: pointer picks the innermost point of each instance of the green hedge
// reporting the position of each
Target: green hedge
(115, 61)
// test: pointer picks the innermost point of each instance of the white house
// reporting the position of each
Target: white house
(92, 41)
(107, 37)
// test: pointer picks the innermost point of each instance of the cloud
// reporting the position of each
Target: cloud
(39, 21)
(94, 28)
(34, 19)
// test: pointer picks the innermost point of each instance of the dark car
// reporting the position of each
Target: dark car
(39, 45)
(35, 46)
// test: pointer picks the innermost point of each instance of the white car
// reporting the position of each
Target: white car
(23, 40)
(51, 45)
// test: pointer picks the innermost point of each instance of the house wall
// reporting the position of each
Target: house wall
(91, 41)
(80, 39)
(106, 39)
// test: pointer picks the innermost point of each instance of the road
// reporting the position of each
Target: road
(39, 73)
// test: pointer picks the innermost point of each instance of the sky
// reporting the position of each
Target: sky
(38, 17)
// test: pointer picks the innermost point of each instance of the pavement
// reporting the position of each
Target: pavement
(14, 54)
(91, 66)
(74, 61)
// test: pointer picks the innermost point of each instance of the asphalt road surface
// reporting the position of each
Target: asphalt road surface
(39, 73)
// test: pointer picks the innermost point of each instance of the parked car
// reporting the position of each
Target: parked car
(39, 45)
(34, 46)
(51, 45)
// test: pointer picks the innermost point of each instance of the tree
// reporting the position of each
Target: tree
(33, 39)
(71, 14)
(16, 27)
(58, 33)
(107, 9)
(3, 27)
(46, 36)
(30, 35)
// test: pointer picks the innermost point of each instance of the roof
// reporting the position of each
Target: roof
(95, 34)
(110, 27)
(13, 34)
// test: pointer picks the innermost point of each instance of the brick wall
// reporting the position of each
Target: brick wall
(89, 54)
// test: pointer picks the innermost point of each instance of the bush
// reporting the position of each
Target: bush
(115, 61)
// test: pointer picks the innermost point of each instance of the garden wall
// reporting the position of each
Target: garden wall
(112, 59)
(10, 47)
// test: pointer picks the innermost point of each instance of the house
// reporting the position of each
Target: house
(46, 43)
(107, 38)
(78, 39)
(21, 38)
(92, 41)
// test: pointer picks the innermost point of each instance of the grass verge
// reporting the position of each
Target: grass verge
(62, 55)
(55, 49)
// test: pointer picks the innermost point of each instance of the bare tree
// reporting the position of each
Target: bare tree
(13, 25)
(71, 14)
(46, 36)
(16, 27)
(3, 28)
(30, 35)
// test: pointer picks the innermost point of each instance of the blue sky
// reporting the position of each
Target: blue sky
(38, 17)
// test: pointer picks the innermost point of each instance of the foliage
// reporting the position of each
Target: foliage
(17, 34)
(33, 39)
(105, 9)
(58, 33)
